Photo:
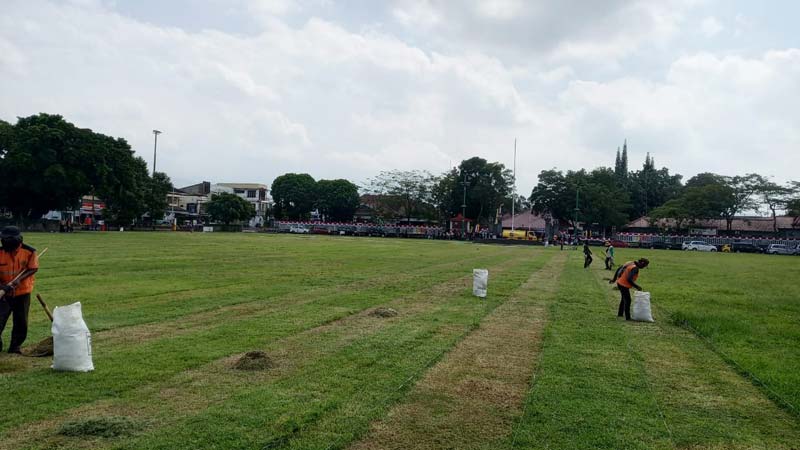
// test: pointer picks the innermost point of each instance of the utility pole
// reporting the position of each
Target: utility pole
(464, 207)
(513, 189)
(577, 193)
(155, 149)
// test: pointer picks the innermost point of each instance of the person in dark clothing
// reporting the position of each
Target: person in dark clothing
(625, 282)
(18, 263)
(587, 255)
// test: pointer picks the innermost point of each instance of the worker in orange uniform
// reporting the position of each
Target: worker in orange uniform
(18, 264)
(626, 281)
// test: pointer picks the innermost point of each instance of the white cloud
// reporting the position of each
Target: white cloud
(711, 26)
(307, 94)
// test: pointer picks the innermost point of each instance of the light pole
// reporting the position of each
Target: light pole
(514, 189)
(577, 193)
(155, 149)
(464, 208)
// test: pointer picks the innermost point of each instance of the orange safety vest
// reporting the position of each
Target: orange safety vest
(16, 262)
(623, 279)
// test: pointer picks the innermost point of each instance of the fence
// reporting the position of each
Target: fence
(646, 240)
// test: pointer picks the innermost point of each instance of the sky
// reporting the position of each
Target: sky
(246, 90)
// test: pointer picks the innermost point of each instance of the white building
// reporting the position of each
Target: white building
(255, 193)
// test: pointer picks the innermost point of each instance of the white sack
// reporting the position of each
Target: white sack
(72, 342)
(640, 310)
(480, 282)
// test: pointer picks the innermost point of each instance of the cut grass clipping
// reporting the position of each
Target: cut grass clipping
(255, 360)
(107, 427)
(384, 312)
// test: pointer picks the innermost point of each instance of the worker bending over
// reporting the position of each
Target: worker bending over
(626, 280)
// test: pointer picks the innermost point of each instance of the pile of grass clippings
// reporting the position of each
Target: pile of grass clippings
(106, 427)
(255, 360)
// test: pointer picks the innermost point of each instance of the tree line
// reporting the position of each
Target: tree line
(613, 197)
(477, 188)
(47, 163)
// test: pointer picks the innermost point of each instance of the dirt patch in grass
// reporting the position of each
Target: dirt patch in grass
(471, 398)
(106, 427)
(255, 360)
(40, 349)
(383, 312)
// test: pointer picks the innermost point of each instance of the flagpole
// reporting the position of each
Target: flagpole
(514, 188)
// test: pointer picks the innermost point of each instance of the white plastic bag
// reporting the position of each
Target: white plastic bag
(72, 342)
(480, 282)
(640, 310)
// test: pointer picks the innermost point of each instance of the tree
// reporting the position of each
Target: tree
(742, 197)
(650, 188)
(793, 205)
(408, 192)
(156, 197)
(488, 185)
(227, 208)
(337, 199)
(672, 209)
(775, 197)
(552, 194)
(43, 166)
(294, 195)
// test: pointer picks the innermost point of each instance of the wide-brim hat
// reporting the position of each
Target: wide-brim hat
(10, 232)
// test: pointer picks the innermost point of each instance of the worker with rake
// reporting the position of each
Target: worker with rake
(18, 263)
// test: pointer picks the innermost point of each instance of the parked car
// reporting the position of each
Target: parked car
(319, 230)
(666, 243)
(780, 249)
(698, 246)
(298, 229)
(745, 247)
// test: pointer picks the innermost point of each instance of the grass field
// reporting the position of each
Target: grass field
(543, 362)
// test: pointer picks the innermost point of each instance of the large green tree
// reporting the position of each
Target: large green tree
(488, 185)
(598, 195)
(337, 199)
(406, 193)
(650, 188)
(49, 164)
(156, 196)
(295, 195)
(229, 208)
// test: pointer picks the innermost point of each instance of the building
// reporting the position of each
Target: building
(255, 193)
(744, 226)
(190, 199)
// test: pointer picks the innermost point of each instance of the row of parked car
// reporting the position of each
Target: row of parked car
(702, 246)
(742, 247)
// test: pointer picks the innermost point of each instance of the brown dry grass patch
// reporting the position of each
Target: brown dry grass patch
(471, 398)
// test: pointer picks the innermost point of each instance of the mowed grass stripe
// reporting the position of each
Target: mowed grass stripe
(262, 266)
(470, 399)
(244, 304)
(119, 371)
(745, 305)
(590, 390)
(704, 402)
(321, 359)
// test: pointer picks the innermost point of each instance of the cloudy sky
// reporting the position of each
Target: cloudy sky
(246, 90)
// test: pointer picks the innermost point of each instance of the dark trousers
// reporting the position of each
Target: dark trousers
(624, 302)
(18, 307)
(588, 261)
